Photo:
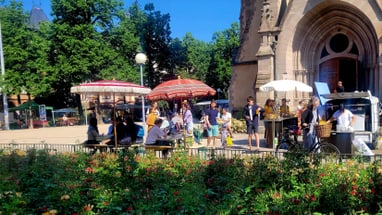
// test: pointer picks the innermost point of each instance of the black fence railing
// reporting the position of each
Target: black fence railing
(201, 152)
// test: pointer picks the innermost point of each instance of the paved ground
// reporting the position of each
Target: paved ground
(77, 134)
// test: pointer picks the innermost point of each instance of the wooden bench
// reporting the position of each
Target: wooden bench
(95, 147)
(163, 149)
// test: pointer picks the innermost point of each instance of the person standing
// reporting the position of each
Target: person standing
(150, 119)
(284, 108)
(310, 118)
(251, 114)
(188, 119)
(227, 120)
(212, 125)
(154, 108)
(340, 88)
(345, 118)
(300, 109)
(269, 108)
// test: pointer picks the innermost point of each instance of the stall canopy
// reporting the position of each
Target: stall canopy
(29, 104)
(63, 110)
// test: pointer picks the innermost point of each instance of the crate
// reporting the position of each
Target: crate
(323, 130)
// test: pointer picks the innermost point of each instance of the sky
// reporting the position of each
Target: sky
(201, 18)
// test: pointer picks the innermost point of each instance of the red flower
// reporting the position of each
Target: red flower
(322, 174)
(228, 191)
(44, 209)
(176, 193)
(313, 198)
(277, 195)
(372, 190)
(88, 170)
(296, 201)
(87, 208)
(353, 193)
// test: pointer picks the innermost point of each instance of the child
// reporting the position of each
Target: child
(224, 133)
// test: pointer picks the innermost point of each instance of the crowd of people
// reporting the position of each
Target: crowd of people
(217, 120)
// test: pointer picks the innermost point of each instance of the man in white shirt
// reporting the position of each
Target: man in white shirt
(155, 133)
(345, 118)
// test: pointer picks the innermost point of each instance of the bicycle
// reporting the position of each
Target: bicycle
(288, 142)
(320, 146)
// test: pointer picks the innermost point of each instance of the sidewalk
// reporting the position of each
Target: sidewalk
(77, 134)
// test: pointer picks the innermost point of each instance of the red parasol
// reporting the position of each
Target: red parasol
(179, 89)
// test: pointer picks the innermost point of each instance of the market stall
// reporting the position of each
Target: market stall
(365, 108)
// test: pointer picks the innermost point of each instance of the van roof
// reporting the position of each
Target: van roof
(219, 101)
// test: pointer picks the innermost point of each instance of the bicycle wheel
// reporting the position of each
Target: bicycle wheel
(287, 147)
(328, 152)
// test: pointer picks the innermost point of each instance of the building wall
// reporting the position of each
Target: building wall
(286, 39)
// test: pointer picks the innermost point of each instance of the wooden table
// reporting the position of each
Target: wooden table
(275, 126)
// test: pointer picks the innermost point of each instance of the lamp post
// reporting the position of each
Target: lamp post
(141, 59)
(218, 90)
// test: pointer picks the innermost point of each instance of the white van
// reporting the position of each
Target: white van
(199, 108)
(363, 105)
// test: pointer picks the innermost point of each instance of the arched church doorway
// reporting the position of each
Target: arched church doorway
(339, 69)
(339, 62)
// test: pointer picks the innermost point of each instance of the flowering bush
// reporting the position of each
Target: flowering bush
(37, 182)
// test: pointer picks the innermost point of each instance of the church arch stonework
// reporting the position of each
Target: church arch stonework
(317, 31)
(305, 30)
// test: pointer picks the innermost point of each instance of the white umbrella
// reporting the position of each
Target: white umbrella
(286, 85)
(111, 87)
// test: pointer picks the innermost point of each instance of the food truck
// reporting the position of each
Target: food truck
(365, 108)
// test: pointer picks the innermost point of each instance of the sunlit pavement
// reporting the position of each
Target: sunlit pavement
(77, 134)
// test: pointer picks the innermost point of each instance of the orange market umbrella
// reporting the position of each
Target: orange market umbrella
(180, 89)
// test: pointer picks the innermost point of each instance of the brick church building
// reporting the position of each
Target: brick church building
(308, 41)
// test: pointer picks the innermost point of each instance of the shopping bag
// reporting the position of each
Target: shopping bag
(361, 147)
(229, 141)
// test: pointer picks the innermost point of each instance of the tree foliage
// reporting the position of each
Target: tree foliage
(89, 40)
(24, 52)
(225, 44)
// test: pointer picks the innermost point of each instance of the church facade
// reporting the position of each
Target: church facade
(308, 41)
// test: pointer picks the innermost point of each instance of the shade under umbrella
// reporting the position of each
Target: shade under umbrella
(179, 89)
(286, 85)
(111, 87)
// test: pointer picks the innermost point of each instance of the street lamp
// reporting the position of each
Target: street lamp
(218, 90)
(141, 59)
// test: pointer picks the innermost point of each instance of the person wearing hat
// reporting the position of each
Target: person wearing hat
(284, 108)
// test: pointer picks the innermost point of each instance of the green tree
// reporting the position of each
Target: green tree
(78, 52)
(24, 53)
(198, 57)
(155, 39)
(225, 44)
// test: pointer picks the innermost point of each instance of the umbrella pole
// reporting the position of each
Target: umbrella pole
(114, 123)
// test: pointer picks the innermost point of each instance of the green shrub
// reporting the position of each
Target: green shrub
(37, 182)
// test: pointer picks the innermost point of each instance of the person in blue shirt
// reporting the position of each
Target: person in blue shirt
(211, 115)
(251, 113)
